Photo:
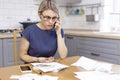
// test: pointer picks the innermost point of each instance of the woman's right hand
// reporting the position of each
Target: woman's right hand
(43, 59)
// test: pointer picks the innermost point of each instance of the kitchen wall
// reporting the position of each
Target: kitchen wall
(14, 11)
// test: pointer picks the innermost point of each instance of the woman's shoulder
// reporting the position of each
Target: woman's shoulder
(29, 31)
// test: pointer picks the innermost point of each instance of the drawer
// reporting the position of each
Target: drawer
(100, 45)
(100, 49)
(100, 56)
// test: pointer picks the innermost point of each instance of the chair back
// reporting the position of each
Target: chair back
(16, 34)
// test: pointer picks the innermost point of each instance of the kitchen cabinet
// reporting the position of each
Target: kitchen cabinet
(96, 48)
(71, 43)
(8, 52)
(1, 58)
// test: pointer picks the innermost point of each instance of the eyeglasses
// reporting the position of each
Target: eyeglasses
(47, 18)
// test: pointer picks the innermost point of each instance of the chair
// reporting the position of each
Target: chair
(15, 35)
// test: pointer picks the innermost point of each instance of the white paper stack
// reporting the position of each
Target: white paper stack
(95, 70)
(49, 67)
(37, 77)
(90, 64)
(30, 76)
(96, 75)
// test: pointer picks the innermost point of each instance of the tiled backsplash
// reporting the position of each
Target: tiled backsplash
(14, 11)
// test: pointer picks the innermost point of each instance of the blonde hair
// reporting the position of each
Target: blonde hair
(48, 5)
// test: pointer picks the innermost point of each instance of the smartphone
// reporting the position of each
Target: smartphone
(54, 24)
(25, 68)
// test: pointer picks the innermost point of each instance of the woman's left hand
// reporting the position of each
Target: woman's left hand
(49, 59)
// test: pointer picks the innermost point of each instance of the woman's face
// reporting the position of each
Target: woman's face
(48, 18)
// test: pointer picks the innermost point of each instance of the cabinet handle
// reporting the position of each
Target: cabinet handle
(95, 54)
(70, 37)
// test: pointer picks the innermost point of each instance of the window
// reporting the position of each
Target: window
(115, 15)
(116, 5)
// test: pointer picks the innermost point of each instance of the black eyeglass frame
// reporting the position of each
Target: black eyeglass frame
(47, 18)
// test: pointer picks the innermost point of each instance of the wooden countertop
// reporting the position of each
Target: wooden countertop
(7, 35)
(96, 34)
(78, 32)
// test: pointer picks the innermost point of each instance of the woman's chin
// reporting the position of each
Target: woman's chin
(49, 28)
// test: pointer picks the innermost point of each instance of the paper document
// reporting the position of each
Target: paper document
(48, 67)
(31, 76)
(96, 75)
(90, 64)
(36, 77)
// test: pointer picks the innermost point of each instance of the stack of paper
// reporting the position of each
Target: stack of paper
(90, 64)
(96, 70)
(30, 76)
(48, 67)
(96, 75)
(36, 77)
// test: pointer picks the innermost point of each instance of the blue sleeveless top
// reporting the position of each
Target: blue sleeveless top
(43, 43)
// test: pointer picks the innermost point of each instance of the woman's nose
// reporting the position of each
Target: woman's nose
(50, 20)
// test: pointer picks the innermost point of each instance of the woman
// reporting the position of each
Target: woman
(40, 42)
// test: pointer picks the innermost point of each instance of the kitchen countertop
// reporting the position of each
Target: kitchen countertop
(96, 34)
(7, 35)
(78, 32)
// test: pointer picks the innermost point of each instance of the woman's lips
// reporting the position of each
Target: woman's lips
(50, 25)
